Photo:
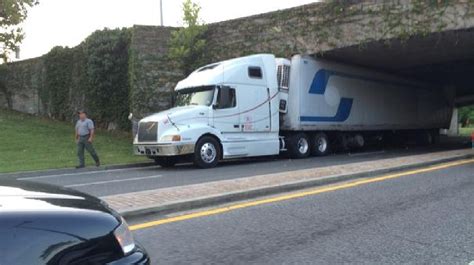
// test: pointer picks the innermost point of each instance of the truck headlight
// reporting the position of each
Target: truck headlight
(124, 238)
(171, 138)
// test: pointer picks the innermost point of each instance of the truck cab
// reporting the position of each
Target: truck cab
(223, 110)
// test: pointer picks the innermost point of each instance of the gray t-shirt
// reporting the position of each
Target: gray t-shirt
(84, 127)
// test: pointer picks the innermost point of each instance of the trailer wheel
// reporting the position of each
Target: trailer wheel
(165, 161)
(320, 145)
(298, 146)
(207, 152)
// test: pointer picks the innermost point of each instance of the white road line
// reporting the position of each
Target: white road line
(367, 153)
(82, 173)
(111, 181)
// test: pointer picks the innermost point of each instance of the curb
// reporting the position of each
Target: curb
(124, 166)
(73, 170)
(272, 190)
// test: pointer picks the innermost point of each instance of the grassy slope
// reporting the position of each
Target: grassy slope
(31, 143)
(466, 131)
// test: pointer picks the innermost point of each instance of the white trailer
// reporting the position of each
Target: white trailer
(260, 105)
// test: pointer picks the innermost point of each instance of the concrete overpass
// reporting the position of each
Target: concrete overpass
(431, 41)
(444, 59)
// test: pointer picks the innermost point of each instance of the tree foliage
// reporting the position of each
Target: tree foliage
(466, 116)
(187, 44)
(12, 14)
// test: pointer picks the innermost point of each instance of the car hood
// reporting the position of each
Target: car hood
(41, 223)
(28, 196)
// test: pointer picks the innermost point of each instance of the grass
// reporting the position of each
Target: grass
(31, 143)
(467, 131)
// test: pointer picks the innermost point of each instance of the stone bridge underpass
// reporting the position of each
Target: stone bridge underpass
(431, 41)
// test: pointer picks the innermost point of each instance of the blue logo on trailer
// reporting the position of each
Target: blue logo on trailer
(318, 87)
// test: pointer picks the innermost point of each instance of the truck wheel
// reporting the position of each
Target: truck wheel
(320, 145)
(298, 146)
(207, 152)
(165, 161)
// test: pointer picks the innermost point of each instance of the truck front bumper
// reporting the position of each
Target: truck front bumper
(174, 149)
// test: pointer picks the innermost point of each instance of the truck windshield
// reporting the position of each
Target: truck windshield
(202, 96)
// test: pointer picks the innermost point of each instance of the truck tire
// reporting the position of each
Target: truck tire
(165, 161)
(320, 145)
(298, 146)
(207, 152)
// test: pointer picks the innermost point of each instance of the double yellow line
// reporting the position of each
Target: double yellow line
(296, 195)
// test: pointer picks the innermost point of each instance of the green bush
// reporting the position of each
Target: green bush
(107, 74)
(466, 116)
(93, 75)
(58, 76)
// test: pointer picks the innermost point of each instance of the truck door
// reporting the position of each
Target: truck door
(254, 108)
(226, 114)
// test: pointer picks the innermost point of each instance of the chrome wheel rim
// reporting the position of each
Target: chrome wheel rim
(208, 153)
(303, 145)
(322, 145)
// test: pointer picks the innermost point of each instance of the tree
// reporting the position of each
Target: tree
(466, 115)
(12, 14)
(187, 44)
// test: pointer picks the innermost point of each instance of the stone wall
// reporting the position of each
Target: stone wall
(20, 86)
(320, 27)
(151, 78)
(23, 86)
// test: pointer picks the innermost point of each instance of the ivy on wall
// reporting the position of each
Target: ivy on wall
(107, 92)
(58, 79)
(93, 75)
(3, 87)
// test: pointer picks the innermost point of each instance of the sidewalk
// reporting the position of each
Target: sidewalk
(181, 198)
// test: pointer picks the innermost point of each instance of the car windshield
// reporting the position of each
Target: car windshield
(200, 96)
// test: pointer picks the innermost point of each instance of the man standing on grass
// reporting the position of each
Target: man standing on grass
(84, 137)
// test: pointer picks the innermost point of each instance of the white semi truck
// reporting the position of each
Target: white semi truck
(260, 105)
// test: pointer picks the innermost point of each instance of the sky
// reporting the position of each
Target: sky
(68, 22)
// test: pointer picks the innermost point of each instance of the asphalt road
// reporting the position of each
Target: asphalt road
(101, 182)
(423, 218)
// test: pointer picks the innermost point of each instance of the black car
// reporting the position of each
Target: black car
(43, 224)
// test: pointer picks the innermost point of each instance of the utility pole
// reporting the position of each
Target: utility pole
(161, 12)
(17, 52)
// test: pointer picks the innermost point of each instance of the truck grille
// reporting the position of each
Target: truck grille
(148, 132)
